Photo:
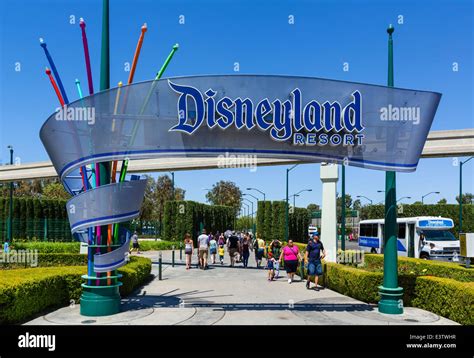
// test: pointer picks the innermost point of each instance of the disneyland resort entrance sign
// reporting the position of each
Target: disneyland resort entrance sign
(300, 118)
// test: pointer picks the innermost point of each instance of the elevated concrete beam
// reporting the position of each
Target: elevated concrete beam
(449, 143)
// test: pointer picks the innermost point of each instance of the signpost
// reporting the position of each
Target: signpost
(390, 293)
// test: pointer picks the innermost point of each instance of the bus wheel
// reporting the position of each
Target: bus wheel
(424, 256)
(373, 251)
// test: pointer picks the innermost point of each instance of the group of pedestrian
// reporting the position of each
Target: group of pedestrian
(239, 245)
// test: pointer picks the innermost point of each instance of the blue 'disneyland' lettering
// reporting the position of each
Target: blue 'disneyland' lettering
(283, 119)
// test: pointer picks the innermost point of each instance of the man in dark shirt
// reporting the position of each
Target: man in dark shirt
(233, 245)
(314, 254)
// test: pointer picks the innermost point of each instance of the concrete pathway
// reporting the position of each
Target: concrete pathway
(223, 295)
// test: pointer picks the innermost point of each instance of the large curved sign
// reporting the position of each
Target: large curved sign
(270, 116)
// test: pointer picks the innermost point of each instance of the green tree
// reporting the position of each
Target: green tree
(312, 207)
(442, 201)
(356, 205)
(163, 192)
(55, 191)
(339, 203)
(225, 193)
(467, 198)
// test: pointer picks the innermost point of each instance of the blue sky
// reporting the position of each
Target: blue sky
(257, 35)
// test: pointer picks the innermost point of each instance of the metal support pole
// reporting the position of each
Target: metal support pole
(460, 197)
(10, 210)
(390, 293)
(180, 252)
(172, 257)
(460, 191)
(160, 264)
(286, 208)
(343, 207)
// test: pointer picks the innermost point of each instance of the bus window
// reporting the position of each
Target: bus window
(369, 230)
(401, 231)
(411, 240)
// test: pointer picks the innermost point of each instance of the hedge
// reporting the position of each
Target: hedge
(271, 220)
(410, 210)
(443, 296)
(29, 216)
(48, 247)
(26, 292)
(184, 216)
(147, 245)
(408, 265)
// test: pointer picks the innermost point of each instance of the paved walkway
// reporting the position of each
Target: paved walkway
(223, 295)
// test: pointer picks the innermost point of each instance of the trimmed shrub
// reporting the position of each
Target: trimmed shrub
(26, 292)
(359, 284)
(135, 274)
(147, 245)
(408, 265)
(445, 297)
(48, 247)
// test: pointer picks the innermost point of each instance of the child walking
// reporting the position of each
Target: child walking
(221, 253)
(270, 266)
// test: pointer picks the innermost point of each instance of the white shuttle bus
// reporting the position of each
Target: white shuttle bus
(426, 237)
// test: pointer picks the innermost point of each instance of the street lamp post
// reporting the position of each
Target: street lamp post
(362, 196)
(298, 194)
(432, 192)
(390, 293)
(172, 186)
(404, 197)
(294, 200)
(460, 192)
(254, 226)
(10, 210)
(252, 213)
(288, 170)
(248, 209)
(261, 192)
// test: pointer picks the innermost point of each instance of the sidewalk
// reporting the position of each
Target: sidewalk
(223, 295)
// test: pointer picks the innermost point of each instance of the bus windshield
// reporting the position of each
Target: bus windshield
(438, 235)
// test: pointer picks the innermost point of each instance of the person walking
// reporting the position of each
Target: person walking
(135, 244)
(255, 249)
(245, 250)
(188, 249)
(221, 253)
(221, 240)
(271, 266)
(213, 249)
(260, 250)
(291, 255)
(314, 254)
(203, 245)
(275, 249)
(233, 246)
